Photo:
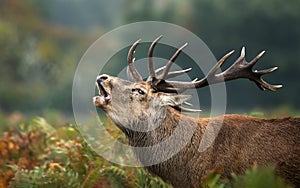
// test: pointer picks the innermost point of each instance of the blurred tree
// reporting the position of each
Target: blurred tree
(41, 44)
(38, 59)
(268, 25)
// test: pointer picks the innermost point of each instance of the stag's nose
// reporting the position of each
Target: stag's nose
(101, 78)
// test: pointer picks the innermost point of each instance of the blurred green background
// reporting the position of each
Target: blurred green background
(42, 42)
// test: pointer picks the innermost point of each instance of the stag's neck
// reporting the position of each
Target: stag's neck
(164, 123)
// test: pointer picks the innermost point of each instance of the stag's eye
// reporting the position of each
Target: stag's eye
(141, 92)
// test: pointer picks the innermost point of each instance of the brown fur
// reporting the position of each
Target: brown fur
(241, 142)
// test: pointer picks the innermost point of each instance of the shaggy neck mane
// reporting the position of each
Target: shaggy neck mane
(166, 121)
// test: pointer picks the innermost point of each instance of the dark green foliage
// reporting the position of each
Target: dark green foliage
(212, 180)
(43, 177)
(145, 180)
(256, 177)
(259, 178)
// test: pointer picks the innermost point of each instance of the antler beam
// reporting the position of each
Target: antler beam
(239, 69)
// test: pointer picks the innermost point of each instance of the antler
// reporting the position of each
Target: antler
(130, 60)
(240, 69)
(150, 60)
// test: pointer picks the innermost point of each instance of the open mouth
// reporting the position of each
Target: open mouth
(102, 92)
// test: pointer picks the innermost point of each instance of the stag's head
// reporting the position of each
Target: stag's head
(127, 102)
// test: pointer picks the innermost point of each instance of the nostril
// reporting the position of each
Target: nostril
(101, 78)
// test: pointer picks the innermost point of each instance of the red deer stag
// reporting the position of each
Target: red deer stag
(241, 142)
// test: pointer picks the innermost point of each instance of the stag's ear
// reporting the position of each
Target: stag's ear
(174, 99)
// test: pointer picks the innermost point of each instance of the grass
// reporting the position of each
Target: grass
(38, 154)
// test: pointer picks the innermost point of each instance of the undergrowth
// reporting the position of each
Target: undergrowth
(36, 154)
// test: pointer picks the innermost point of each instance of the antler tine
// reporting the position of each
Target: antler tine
(240, 69)
(220, 63)
(160, 69)
(254, 61)
(263, 85)
(183, 109)
(130, 60)
(171, 74)
(266, 71)
(173, 58)
(150, 60)
(188, 104)
(177, 73)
